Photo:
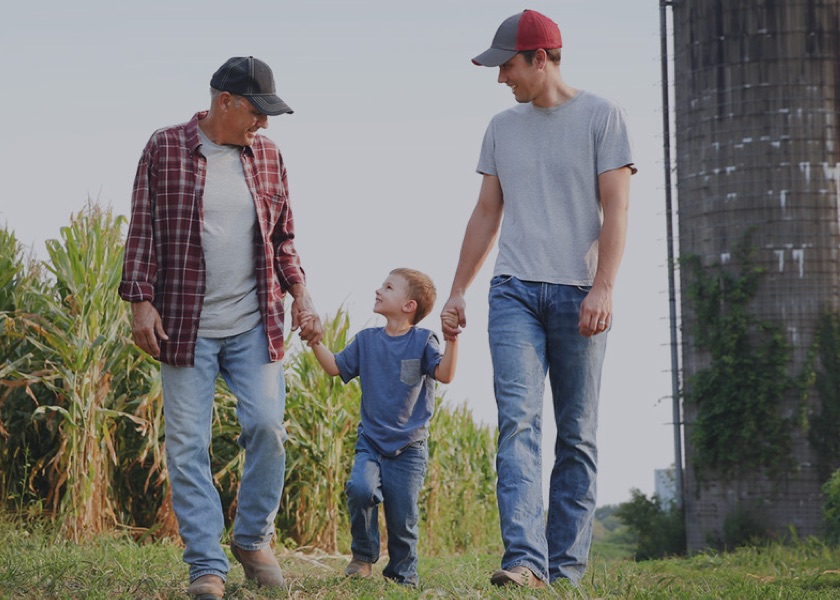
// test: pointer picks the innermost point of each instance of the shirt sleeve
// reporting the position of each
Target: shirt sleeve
(286, 258)
(348, 360)
(139, 259)
(431, 355)
(487, 157)
(615, 146)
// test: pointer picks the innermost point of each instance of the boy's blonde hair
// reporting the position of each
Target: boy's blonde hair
(420, 289)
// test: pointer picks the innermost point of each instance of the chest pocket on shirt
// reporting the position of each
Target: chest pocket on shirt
(410, 371)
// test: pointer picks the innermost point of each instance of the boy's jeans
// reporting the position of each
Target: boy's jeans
(259, 387)
(533, 329)
(396, 481)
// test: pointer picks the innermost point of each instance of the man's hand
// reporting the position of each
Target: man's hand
(147, 327)
(453, 317)
(595, 311)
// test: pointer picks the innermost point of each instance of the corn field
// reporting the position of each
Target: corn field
(81, 416)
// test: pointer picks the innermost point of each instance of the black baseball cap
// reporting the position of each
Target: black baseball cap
(251, 78)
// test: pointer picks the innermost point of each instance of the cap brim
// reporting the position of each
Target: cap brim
(269, 104)
(493, 57)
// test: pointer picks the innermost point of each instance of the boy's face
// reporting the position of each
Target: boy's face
(392, 297)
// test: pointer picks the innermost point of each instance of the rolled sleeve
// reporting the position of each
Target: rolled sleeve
(139, 262)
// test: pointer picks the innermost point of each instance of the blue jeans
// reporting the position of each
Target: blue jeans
(533, 330)
(188, 392)
(396, 481)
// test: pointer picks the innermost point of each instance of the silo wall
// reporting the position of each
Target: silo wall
(756, 88)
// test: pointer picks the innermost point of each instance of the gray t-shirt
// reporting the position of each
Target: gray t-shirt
(548, 161)
(398, 386)
(230, 304)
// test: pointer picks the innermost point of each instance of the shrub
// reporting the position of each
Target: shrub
(660, 529)
(831, 508)
(745, 525)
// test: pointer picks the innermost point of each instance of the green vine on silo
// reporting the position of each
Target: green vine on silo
(824, 432)
(738, 428)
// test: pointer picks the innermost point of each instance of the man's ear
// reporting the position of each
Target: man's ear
(225, 100)
(540, 58)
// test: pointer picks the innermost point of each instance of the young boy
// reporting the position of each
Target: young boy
(397, 365)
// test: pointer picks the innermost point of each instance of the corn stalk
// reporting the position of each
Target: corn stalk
(323, 414)
(84, 365)
(458, 500)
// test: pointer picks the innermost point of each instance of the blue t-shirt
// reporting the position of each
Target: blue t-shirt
(398, 387)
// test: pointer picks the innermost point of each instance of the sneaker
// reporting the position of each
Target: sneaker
(207, 587)
(518, 575)
(260, 565)
(357, 568)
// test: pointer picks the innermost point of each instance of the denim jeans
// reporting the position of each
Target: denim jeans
(396, 481)
(533, 330)
(188, 392)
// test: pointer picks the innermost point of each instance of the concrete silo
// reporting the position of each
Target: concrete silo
(756, 102)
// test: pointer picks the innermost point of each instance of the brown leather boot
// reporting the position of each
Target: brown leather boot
(357, 568)
(207, 587)
(260, 565)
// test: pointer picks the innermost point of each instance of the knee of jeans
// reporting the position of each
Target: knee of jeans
(186, 451)
(265, 431)
(360, 492)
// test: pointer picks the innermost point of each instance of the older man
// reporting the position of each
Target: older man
(209, 258)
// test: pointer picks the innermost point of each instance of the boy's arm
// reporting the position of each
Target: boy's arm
(445, 370)
(325, 358)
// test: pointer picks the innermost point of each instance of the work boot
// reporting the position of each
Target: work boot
(260, 565)
(518, 575)
(357, 568)
(207, 587)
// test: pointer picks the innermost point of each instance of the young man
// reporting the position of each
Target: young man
(555, 184)
(398, 365)
(208, 259)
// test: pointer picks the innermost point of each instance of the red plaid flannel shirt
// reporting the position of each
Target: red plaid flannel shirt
(164, 260)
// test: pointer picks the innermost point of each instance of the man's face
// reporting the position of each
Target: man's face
(241, 121)
(521, 77)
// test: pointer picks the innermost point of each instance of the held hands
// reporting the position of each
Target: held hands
(453, 317)
(306, 320)
(305, 317)
(449, 321)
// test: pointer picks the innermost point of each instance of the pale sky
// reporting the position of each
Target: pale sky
(381, 153)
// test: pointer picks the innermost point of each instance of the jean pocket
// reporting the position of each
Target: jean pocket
(500, 280)
(410, 371)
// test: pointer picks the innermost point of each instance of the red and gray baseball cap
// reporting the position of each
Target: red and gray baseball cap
(252, 78)
(528, 30)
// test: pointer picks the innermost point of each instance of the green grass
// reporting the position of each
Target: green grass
(34, 563)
